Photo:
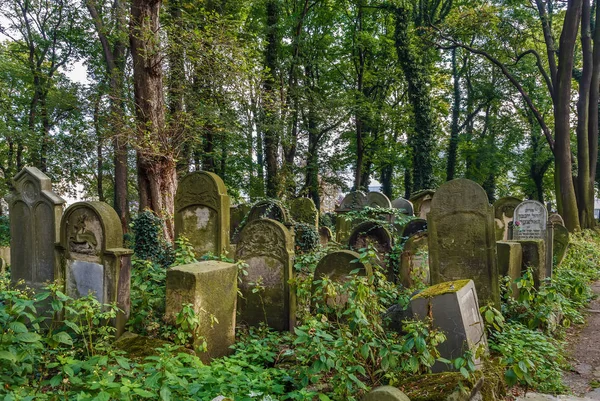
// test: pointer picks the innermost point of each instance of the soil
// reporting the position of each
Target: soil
(583, 345)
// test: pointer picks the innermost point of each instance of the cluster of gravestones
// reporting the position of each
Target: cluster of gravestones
(469, 243)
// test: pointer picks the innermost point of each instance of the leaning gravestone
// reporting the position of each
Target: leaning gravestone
(373, 233)
(325, 235)
(354, 201)
(560, 244)
(202, 213)
(269, 209)
(462, 241)
(93, 258)
(405, 206)
(35, 212)
(414, 261)
(454, 308)
(267, 247)
(530, 221)
(504, 210)
(422, 202)
(377, 199)
(303, 210)
(510, 263)
(556, 219)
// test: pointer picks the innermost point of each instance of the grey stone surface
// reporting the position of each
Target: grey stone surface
(325, 235)
(85, 277)
(504, 210)
(560, 243)
(385, 393)
(530, 220)
(422, 202)
(377, 199)
(269, 209)
(510, 261)
(404, 205)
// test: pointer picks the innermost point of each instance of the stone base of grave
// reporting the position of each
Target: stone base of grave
(510, 260)
(211, 288)
(534, 256)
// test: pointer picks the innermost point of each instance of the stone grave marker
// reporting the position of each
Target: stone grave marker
(556, 219)
(5, 255)
(211, 288)
(93, 258)
(354, 201)
(414, 226)
(462, 239)
(269, 209)
(202, 213)
(414, 261)
(35, 212)
(325, 235)
(561, 243)
(373, 233)
(422, 202)
(454, 307)
(504, 209)
(531, 222)
(236, 218)
(267, 247)
(303, 210)
(385, 393)
(405, 206)
(534, 256)
(378, 199)
(510, 262)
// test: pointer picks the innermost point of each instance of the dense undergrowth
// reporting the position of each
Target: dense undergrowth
(336, 352)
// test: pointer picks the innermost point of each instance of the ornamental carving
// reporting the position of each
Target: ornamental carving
(263, 238)
(81, 239)
(198, 189)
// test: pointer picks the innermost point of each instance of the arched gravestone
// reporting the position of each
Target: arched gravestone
(354, 201)
(405, 206)
(370, 232)
(560, 243)
(337, 266)
(462, 240)
(504, 209)
(269, 209)
(202, 212)
(93, 258)
(303, 210)
(556, 219)
(414, 261)
(530, 221)
(422, 202)
(377, 199)
(413, 227)
(267, 247)
(325, 235)
(35, 212)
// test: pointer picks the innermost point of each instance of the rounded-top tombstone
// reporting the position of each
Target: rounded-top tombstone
(530, 220)
(405, 206)
(303, 210)
(462, 239)
(355, 200)
(421, 201)
(377, 199)
(325, 235)
(504, 209)
(414, 226)
(373, 233)
(269, 209)
(556, 219)
(202, 212)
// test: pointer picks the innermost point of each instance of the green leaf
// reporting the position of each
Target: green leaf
(165, 393)
(8, 356)
(63, 338)
(143, 393)
(27, 337)
(323, 397)
(17, 327)
(123, 362)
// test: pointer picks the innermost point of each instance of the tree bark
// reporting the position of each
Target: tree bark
(453, 143)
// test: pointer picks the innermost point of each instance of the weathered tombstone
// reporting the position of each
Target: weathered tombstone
(561, 243)
(354, 201)
(454, 308)
(422, 202)
(303, 210)
(236, 218)
(504, 209)
(534, 257)
(510, 262)
(556, 219)
(35, 212)
(325, 235)
(269, 209)
(267, 247)
(337, 266)
(530, 221)
(414, 226)
(5, 254)
(202, 212)
(211, 288)
(93, 258)
(405, 206)
(377, 199)
(373, 233)
(462, 240)
(385, 393)
(414, 261)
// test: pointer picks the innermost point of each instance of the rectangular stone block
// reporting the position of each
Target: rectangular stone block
(534, 256)
(510, 260)
(211, 287)
(454, 308)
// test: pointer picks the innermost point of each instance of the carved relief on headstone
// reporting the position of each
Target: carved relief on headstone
(556, 219)
(504, 209)
(93, 259)
(530, 221)
(375, 234)
(267, 247)
(355, 200)
(202, 212)
(462, 239)
(378, 199)
(269, 209)
(35, 212)
(422, 202)
(405, 206)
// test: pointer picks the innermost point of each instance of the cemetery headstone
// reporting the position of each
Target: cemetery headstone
(405, 206)
(373, 233)
(414, 261)
(303, 210)
(269, 209)
(93, 258)
(354, 201)
(202, 212)
(454, 308)
(534, 257)
(414, 226)
(267, 247)
(510, 261)
(462, 240)
(504, 209)
(325, 235)
(236, 217)
(531, 222)
(385, 393)
(5, 254)
(211, 288)
(561, 243)
(378, 199)
(35, 212)
(556, 219)
(422, 202)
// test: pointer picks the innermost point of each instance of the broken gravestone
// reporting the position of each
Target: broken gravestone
(202, 213)
(93, 259)
(414, 261)
(422, 202)
(375, 234)
(267, 247)
(504, 209)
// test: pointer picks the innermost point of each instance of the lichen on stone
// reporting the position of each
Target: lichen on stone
(442, 288)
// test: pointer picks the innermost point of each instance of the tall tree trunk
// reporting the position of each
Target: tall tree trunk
(99, 155)
(453, 143)
(593, 106)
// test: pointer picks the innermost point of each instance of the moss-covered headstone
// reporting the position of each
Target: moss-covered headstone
(375, 234)
(405, 206)
(211, 288)
(454, 308)
(378, 199)
(561, 243)
(35, 212)
(267, 247)
(202, 212)
(303, 210)
(354, 201)
(504, 209)
(385, 393)
(510, 261)
(556, 219)
(462, 239)
(325, 235)
(421, 201)
(534, 257)
(93, 258)
(414, 261)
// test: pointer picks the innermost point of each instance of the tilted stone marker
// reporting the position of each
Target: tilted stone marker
(303, 210)
(267, 247)
(561, 243)
(405, 206)
(454, 308)
(354, 201)
(504, 210)
(510, 262)
(378, 199)
(373, 233)
(202, 213)
(211, 288)
(325, 235)
(269, 209)
(462, 240)
(414, 261)
(35, 212)
(422, 202)
(385, 393)
(556, 219)
(530, 221)
(414, 226)
(93, 258)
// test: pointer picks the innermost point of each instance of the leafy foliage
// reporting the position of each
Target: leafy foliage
(149, 241)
